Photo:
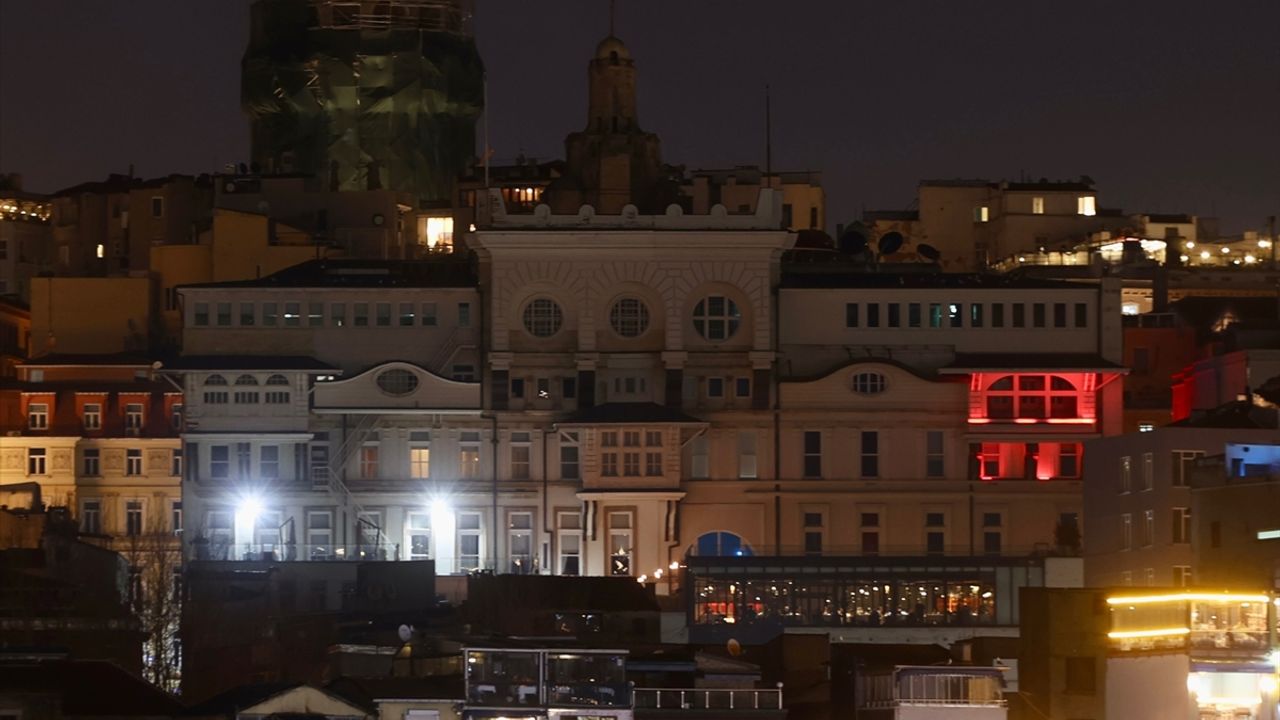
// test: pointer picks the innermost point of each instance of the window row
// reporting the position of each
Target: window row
(245, 391)
(313, 314)
(1179, 528)
(957, 315)
(140, 518)
(715, 317)
(1181, 464)
(134, 416)
(869, 452)
(91, 462)
(872, 527)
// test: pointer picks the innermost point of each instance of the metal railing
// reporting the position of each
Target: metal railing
(707, 699)
(958, 550)
(935, 689)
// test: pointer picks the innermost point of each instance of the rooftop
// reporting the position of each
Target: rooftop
(247, 362)
(446, 272)
(813, 275)
(1033, 361)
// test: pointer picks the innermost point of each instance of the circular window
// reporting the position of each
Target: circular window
(542, 318)
(397, 382)
(716, 317)
(868, 383)
(629, 317)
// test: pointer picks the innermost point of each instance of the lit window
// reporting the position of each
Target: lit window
(543, 317)
(869, 383)
(38, 416)
(629, 317)
(981, 214)
(133, 461)
(1032, 397)
(716, 318)
(36, 461)
(439, 233)
(1086, 205)
(1037, 205)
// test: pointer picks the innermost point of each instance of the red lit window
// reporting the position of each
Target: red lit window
(1033, 397)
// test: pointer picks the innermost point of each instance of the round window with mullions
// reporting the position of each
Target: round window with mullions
(629, 317)
(543, 317)
(716, 318)
(397, 381)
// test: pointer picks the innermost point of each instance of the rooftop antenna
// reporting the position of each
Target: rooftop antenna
(768, 134)
(613, 7)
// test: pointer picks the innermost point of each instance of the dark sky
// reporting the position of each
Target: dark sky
(1170, 105)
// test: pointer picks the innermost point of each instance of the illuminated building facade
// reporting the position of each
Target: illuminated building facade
(25, 239)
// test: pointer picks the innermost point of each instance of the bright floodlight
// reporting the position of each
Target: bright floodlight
(250, 507)
(439, 506)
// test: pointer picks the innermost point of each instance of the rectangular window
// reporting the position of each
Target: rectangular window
(1037, 314)
(570, 467)
(1183, 461)
(464, 314)
(338, 314)
(812, 454)
(157, 206)
(700, 467)
(133, 517)
(420, 454)
(133, 461)
(1019, 315)
(1068, 460)
(1086, 205)
(269, 462)
(935, 460)
(715, 387)
(315, 314)
(742, 387)
(569, 388)
(270, 314)
(1181, 525)
(37, 416)
(91, 517)
(1037, 205)
(1182, 576)
(384, 314)
(202, 314)
(133, 416)
(520, 455)
(320, 535)
(997, 315)
(428, 314)
(873, 315)
(981, 214)
(517, 388)
(520, 542)
(469, 456)
(293, 314)
(870, 460)
(369, 461)
(870, 522)
(220, 461)
(92, 416)
(992, 534)
(935, 536)
(895, 315)
(975, 315)
(1148, 471)
(653, 464)
(175, 516)
(469, 541)
(1059, 315)
(1126, 474)
(935, 315)
(247, 314)
(913, 315)
(1082, 315)
(813, 535)
(631, 464)
(1148, 527)
(91, 462)
(955, 313)
(224, 314)
(569, 543)
(360, 314)
(406, 314)
(175, 462)
(620, 543)
(747, 455)
(851, 315)
(464, 373)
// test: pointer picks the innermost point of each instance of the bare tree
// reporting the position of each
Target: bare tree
(155, 596)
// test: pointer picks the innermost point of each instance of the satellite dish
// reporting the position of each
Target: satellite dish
(928, 252)
(734, 647)
(405, 632)
(852, 242)
(890, 243)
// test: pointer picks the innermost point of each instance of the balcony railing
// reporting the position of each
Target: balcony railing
(976, 550)
(279, 552)
(936, 689)
(706, 699)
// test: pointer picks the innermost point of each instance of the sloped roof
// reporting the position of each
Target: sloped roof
(1032, 361)
(628, 413)
(247, 362)
(446, 272)
(89, 688)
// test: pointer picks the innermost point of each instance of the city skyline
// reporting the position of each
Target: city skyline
(974, 94)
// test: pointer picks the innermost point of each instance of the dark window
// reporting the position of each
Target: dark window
(786, 215)
(1019, 315)
(569, 387)
(873, 315)
(1037, 315)
(935, 315)
(956, 312)
(1082, 315)
(1081, 675)
(895, 315)
(997, 315)
(935, 543)
(975, 315)
(1059, 315)
(870, 453)
(913, 315)
(991, 542)
(851, 315)
(812, 454)
(870, 519)
(517, 387)
(870, 542)
(742, 387)
(813, 218)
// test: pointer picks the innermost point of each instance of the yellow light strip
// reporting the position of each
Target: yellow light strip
(1157, 632)
(1184, 597)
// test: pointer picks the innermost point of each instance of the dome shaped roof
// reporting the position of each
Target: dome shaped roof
(610, 45)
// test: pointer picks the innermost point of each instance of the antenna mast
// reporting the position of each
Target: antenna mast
(768, 135)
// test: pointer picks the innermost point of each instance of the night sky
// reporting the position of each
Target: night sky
(1170, 105)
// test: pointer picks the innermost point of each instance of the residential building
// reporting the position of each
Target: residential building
(74, 689)
(1236, 528)
(15, 334)
(804, 205)
(274, 700)
(1138, 499)
(1062, 668)
(90, 315)
(919, 692)
(26, 248)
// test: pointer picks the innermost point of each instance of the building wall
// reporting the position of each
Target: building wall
(1231, 504)
(89, 315)
(1061, 627)
(1149, 688)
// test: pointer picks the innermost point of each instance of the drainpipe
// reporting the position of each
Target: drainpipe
(546, 528)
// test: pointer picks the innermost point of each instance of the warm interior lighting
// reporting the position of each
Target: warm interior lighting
(1087, 205)
(1154, 632)
(1185, 597)
(1269, 534)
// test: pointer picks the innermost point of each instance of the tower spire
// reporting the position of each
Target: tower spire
(613, 8)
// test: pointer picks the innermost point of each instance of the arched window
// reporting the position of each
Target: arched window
(397, 381)
(868, 383)
(278, 380)
(721, 544)
(543, 317)
(716, 317)
(246, 380)
(215, 380)
(1032, 397)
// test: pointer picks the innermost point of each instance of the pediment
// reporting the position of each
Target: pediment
(397, 385)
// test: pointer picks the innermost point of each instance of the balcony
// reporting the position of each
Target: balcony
(206, 549)
(923, 692)
(1207, 625)
(707, 699)
(529, 679)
